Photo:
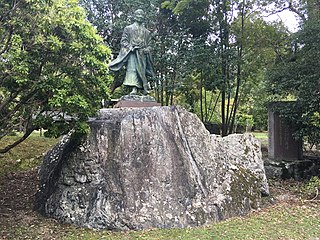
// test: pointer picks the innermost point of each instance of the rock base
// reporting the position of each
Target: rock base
(296, 169)
(136, 101)
(156, 167)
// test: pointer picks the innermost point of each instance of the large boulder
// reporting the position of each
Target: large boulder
(154, 167)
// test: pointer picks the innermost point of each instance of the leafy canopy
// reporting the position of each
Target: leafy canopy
(296, 76)
(52, 63)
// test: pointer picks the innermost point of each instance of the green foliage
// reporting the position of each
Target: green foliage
(245, 119)
(261, 42)
(167, 5)
(223, 47)
(52, 63)
(296, 73)
(176, 7)
(80, 133)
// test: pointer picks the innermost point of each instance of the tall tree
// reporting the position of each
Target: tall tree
(172, 40)
(226, 50)
(223, 46)
(296, 74)
(261, 43)
(52, 63)
(241, 46)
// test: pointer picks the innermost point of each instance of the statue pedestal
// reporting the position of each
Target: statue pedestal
(142, 168)
(136, 101)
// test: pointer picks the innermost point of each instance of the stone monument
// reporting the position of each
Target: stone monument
(153, 167)
(135, 55)
(148, 167)
(282, 145)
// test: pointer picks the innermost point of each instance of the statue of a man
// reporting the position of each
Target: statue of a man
(135, 55)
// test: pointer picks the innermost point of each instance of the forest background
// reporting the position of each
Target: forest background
(219, 59)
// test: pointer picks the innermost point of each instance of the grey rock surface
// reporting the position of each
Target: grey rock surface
(296, 169)
(155, 167)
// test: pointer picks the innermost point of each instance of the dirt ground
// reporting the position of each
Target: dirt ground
(16, 203)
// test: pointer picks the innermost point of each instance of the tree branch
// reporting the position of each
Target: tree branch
(20, 140)
(291, 8)
(15, 109)
(29, 129)
(7, 44)
(8, 100)
(14, 7)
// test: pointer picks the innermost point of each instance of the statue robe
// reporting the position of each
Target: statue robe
(135, 55)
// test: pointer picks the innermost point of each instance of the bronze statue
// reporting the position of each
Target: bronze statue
(135, 55)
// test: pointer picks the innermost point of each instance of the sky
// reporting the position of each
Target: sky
(287, 17)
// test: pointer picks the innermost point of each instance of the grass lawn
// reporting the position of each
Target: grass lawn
(263, 138)
(261, 135)
(26, 155)
(284, 215)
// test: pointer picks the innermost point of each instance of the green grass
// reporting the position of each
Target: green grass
(284, 220)
(260, 135)
(26, 155)
(281, 222)
(263, 138)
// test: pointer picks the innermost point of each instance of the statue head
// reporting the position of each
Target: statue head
(139, 16)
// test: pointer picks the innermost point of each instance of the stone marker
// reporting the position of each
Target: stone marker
(282, 145)
(154, 167)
